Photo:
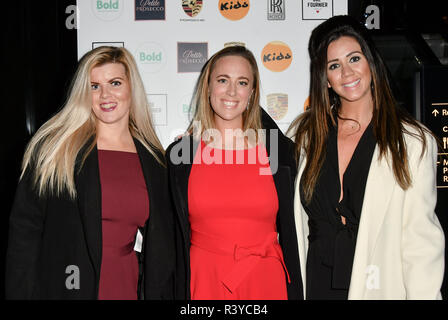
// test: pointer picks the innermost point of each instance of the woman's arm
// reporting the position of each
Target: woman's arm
(26, 225)
(423, 240)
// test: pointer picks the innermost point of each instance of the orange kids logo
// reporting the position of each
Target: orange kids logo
(234, 9)
(306, 104)
(276, 56)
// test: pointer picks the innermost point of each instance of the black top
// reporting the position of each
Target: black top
(331, 243)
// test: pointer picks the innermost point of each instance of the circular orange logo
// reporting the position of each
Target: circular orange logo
(306, 104)
(276, 56)
(234, 9)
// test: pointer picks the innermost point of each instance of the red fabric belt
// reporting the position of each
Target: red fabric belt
(245, 257)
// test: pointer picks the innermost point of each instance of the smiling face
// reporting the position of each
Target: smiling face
(230, 87)
(111, 94)
(348, 71)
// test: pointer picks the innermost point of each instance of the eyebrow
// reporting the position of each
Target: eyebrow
(227, 76)
(113, 79)
(348, 55)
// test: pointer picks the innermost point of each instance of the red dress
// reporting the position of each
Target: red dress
(125, 207)
(233, 208)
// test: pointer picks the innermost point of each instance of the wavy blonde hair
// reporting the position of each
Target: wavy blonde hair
(204, 113)
(52, 153)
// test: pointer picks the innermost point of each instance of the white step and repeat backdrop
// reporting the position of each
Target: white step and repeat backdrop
(172, 39)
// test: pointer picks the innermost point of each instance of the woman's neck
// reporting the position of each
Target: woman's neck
(114, 138)
(361, 113)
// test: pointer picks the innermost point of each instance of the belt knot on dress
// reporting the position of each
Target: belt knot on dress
(245, 257)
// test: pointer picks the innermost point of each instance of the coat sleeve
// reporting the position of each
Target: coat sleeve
(26, 225)
(182, 273)
(423, 240)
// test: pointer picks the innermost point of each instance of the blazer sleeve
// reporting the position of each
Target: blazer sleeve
(26, 225)
(423, 240)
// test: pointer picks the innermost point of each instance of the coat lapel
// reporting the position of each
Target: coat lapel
(185, 150)
(88, 188)
(151, 171)
(181, 176)
(380, 184)
(377, 196)
(301, 221)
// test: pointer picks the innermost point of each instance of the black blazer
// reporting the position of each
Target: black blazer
(284, 177)
(47, 235)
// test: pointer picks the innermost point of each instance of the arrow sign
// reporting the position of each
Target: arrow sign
(435, 112)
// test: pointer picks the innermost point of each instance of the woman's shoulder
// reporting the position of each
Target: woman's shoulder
(419, 139)
(414, 134)
(179, 141)
(298, 124)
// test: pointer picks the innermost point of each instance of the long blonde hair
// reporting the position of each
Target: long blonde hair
(52, 152)
(204, 113)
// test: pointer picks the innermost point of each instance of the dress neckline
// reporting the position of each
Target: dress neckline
(116, 151)
(228, 150)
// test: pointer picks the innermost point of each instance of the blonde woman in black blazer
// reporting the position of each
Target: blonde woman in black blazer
(55, 248)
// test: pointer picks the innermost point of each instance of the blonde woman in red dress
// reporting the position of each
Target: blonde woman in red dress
(232, 186)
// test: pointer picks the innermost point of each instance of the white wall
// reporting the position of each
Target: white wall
(170, 90)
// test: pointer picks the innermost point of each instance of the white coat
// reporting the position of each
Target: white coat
(400, 244)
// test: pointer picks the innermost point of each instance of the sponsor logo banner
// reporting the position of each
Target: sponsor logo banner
(276, 9)
(108, 44)
(191, 56)
(149, 9)
(187, 108)
(107, 10)
(276, 56)
(306, 104)
(192, 7)
(150, 57)
(234, 9)
(277, 105)
(317, 9)
(158, 105)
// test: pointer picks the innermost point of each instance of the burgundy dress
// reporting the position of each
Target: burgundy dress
(125, 207)
(234, 251)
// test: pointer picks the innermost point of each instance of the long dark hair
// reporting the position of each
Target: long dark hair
(311, 128)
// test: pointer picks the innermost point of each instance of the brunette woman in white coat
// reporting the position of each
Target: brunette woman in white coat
(365, 191)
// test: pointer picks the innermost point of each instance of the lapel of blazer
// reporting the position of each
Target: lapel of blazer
(180, 177)
(280, 172)
(377, 196)
(151, 174)
(301, 221)
(378, 193)
(88, 188)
